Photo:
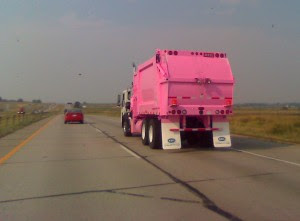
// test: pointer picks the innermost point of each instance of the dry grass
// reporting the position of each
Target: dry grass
(268, 123)
(103, 109)
(274, 124)
(10, 121)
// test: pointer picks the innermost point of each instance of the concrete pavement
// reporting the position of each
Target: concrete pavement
(93, 172)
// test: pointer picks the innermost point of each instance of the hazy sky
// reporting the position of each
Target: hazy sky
(45, 44)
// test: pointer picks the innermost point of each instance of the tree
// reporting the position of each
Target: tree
(20, 100)
(37, 101)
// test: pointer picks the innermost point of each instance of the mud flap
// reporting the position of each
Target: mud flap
(170, 139)
(221, 138)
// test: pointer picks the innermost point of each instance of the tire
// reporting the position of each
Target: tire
(192, 138)
(154, 134)
(81, 122)
(126, 128)
(66, 122)
(145, 132)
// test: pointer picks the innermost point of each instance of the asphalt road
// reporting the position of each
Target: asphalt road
(91, 172)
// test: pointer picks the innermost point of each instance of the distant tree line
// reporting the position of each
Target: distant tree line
(37, 101)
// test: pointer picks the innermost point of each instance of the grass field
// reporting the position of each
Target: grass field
(103, 109)
(275, 124)
(268, 123)
(10, 121)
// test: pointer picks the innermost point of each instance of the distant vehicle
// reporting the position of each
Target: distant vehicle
(74, 115)
(21, 110)
(180, 95)
(36, 111)
(77, 104)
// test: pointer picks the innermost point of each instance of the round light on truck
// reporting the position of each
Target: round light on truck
(217, 111)
(184, 112)
(178, 111)
(173, 111)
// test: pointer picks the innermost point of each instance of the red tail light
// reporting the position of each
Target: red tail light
(174, 102)
(228, 102)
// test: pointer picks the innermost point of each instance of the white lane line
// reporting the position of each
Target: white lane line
(266, 157)
(123, 147)
(129, 151)
(99, 130)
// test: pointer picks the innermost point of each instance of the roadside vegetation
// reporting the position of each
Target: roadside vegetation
(272, 123)
(102, 109)
(279, 124)
(10, 121)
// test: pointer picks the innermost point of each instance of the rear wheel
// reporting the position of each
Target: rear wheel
(154, 133)
(126, 128)
(66, 122)
(81, 121)
(145, 132)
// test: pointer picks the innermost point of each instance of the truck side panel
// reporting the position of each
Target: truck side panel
(148, 92)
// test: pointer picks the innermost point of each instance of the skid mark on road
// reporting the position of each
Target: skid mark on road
(206, 202)
(266, 157)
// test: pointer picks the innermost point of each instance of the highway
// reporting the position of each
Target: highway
(52, 171)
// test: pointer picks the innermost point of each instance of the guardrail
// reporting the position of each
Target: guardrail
(11, 123)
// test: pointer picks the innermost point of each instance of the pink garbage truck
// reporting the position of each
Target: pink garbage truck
(180, 96)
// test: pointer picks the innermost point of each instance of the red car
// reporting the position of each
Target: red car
(74, 116)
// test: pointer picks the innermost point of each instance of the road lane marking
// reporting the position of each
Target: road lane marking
(122, 146)
(23, 143)
(129, 151)
(206, 201)
(266, 157)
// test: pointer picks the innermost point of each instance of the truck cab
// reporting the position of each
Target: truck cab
(124, 103)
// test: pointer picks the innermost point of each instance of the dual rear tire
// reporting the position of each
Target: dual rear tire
(151, 133)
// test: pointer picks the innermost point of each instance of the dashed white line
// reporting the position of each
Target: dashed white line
(123, 147)
(266, 157)
(130, 152)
